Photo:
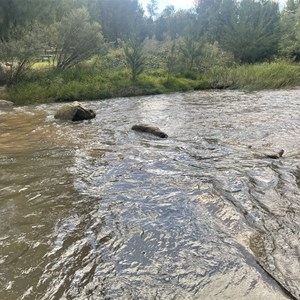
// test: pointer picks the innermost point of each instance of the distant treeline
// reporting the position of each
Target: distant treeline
(253, 30)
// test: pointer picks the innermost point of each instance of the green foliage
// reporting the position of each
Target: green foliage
(118, 18)
(172, 60)
(290, 28)
(208, 19)
(75, 39)
(19, 13)
(113, 60)
(212, 56)
(290, 6)
(89, 83)
(256, 77)
(13, 14)
(190, 51)
(19, 51)
(135, 58)
(173, 24)
(152, 8)
(179, 84)
(162, 55)
(86, 82)
(252, 35)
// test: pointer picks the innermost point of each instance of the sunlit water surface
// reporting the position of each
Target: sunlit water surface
(93, 210)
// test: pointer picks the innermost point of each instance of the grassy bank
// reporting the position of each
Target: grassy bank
(88, 83)
(273, 75)
(85, 82)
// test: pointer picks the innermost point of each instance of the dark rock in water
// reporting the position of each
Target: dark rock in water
(6, 104)
(74, 112)
(149, 129)
(275, 155)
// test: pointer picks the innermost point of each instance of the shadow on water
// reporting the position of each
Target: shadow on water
(94, 210)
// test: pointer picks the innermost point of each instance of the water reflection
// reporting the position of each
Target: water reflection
(94, 210)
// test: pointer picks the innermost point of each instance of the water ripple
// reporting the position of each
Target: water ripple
(98, 211)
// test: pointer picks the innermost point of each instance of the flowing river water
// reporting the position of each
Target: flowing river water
(94, 210)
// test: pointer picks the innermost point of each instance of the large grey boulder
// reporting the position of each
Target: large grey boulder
(74, 112)
(6, 104)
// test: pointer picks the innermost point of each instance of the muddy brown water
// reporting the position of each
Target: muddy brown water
(94, 210)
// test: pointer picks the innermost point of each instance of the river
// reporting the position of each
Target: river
(94, 210)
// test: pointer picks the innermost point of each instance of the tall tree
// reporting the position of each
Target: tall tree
(152, 8)
(14, 13)
(208, 19)
(227, 13)
(174, 24)
(119, 19)
(253, 34)
(290, 26)
(290, 6)
(162, 22)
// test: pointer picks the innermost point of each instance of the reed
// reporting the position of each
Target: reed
(273, 75)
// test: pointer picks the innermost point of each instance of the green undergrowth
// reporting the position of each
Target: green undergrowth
(88, 83)
(273, 75)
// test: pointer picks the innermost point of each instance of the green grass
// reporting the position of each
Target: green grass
(273, 75)
(85, 82)
(42, 86)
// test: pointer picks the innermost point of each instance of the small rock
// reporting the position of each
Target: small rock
(275, 155)
(149, 129)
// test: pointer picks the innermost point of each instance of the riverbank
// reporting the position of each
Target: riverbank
(86, 82)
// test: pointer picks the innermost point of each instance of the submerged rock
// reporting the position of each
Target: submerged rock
(6, 104)
(149, 129)
(272, 155)
(74, 112)
(275, 155)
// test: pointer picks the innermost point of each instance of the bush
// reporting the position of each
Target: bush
(75, 39)
(20, 51)
(213, 56)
